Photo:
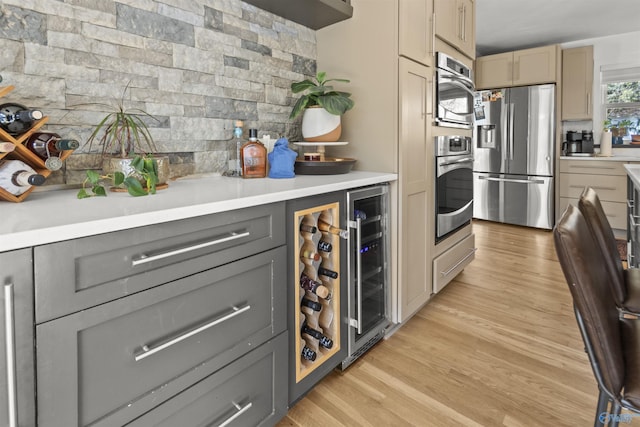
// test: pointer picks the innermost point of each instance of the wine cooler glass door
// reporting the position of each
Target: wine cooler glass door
(369, 287)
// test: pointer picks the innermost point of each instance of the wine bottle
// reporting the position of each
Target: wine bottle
(326, 272)
(314, 286)
(253, 157)
(323, 340)
(305, 253)
(307, 353)
(324, 246)
(16, 119)
(308, 228)
(6, 147)
(48, 146)
(313, 305)
(326, 227)
(16, 177)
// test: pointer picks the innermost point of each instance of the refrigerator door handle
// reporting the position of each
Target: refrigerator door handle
(518, 181)
(511, 131)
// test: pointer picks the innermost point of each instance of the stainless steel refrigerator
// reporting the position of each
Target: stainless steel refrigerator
(514, 155)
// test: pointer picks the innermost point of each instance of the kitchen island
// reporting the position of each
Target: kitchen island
(168, 309)
(606, 175)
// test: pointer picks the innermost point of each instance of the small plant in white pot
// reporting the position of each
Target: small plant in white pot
(322, 106)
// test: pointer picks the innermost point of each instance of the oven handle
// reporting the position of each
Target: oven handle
(455, 162)
(518, 181)
(468, 83)
(457, 81)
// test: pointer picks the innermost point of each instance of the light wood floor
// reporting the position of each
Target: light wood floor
(499, 346)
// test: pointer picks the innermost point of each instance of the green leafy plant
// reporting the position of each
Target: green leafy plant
(145, 171)
(320, 94)
(123, 133)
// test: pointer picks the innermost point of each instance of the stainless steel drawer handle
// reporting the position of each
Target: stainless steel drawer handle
(466, 257)
(516, 181)
(10, 346)
(241, 410)
(148, 350)
(595, 187)
(144, 258)
(592, 167)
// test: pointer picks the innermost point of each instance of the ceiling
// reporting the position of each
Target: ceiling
(505, 25)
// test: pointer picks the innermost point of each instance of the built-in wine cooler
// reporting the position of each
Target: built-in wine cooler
(369, 276)
(317, 246)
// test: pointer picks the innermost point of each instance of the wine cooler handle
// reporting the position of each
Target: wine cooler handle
(10, 345)
(358, 324)
(148, 351)
(144, 258)
(241, 410)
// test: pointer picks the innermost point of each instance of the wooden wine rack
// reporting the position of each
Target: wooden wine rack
(327, 320)
(23, 153)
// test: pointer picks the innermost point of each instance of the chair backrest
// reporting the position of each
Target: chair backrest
(591, 208)
(580, 258)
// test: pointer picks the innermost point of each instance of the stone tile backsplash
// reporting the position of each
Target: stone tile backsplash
(196, 65)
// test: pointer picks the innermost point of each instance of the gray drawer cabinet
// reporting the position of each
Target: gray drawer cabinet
(78, 274)
(17, 388)
(112, 363)
(243, 394)
(157, 324)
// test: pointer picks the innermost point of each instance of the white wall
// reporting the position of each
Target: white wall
(622, 50)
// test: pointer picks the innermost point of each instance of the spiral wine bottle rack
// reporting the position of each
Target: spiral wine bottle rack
(309, 259)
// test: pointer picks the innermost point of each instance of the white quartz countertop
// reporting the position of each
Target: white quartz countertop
(51, 216)
(633, 171)
(614, 158)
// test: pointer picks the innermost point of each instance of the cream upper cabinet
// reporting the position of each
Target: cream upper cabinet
(415, 30)
(519, 68)
(455, 23)
(577, 83)
(389, 131)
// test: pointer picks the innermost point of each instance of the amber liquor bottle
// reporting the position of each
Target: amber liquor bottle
(253, 157)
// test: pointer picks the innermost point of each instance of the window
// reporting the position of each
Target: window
(621, 95)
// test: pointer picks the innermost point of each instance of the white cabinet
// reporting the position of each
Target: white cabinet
(577, 83)
(389, 131)
(519, 68)
(415, 30)
(455, 24)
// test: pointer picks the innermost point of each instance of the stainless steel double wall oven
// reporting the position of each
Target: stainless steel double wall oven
(454, 184)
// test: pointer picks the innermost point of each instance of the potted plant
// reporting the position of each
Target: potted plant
(322, 106)
(123, 135)
(144, 167)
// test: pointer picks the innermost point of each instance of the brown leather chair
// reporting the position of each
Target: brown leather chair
(625, 283)
(612, 342)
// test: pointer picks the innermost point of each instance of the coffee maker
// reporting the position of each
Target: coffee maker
(578, 143)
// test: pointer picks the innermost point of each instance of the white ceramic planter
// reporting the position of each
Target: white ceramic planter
(318, 125)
